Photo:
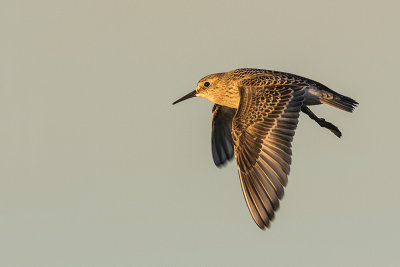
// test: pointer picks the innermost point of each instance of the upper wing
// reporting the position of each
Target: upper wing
(263, 130)
(221, 135)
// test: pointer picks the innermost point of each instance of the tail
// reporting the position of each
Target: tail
(338, 101)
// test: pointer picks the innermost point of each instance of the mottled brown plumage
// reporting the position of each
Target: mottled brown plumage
(255, 115)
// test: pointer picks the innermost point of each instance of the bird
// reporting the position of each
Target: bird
(255, 115)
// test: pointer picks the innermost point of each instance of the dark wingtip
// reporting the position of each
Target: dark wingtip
(221, 155)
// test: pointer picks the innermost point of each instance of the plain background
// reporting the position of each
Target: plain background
(97, 168)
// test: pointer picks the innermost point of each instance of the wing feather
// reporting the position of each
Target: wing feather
(221, 135)
(250, 203)
(262, 131)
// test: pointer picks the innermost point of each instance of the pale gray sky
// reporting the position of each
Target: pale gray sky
(97, 168)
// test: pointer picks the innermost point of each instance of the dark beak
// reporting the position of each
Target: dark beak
(190, 95)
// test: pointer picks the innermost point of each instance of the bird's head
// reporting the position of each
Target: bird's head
(209, 87)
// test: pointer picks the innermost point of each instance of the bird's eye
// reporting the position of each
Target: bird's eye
(206, 84)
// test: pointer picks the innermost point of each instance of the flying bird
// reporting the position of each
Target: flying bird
(255, 115)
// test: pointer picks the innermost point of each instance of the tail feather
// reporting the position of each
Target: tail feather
(341, 102)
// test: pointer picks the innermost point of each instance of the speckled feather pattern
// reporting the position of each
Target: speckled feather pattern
(254, 119)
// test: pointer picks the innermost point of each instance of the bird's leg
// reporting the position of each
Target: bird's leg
(321, 121)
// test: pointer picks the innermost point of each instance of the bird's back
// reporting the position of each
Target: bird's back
(261, 77)
(316, 93)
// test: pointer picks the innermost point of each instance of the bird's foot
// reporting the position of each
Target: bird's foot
(323, 123)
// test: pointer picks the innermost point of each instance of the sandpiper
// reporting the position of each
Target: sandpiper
(254, 118)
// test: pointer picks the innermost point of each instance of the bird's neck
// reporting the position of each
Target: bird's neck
(229, 97)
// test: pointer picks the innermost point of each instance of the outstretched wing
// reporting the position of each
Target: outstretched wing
(263, 130)
(221, 135)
